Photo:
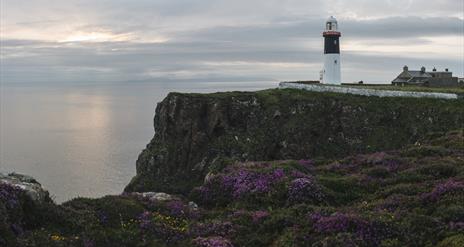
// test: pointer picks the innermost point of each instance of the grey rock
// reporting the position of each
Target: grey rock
(32, 188)
(156, 196)
(193, 206)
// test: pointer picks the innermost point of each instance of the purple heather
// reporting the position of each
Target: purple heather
(258, 216)
(212, 242)
(443, 188)
(305, 190)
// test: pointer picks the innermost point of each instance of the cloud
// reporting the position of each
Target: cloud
(221, 40)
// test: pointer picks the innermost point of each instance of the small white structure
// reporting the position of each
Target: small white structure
(331, 74)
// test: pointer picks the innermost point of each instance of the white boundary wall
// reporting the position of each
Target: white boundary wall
(366, 91)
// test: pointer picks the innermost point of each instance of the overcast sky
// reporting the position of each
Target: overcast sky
(217, 40)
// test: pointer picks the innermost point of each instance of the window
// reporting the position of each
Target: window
(336, 62)
(335, 42)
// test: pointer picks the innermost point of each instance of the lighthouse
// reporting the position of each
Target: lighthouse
(331, 74)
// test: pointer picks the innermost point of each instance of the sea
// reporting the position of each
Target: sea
(83, 139)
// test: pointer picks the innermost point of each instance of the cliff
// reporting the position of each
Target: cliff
(199, 133)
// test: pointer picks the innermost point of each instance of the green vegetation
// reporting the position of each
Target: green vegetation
(194, 131)
(409, 197)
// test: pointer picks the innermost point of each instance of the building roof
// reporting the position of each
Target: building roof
(410, 80)
(418, 74)
(412, 76)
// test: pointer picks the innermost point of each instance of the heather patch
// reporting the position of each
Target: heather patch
(449, 187)
(262, 184)
(10, 195)
(381, 199)
(212, 242)
(305, 190)
(370, 233)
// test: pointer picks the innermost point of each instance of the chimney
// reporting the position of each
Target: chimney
(446, 70)
(405, 68)
(434, 69)
(423, 69)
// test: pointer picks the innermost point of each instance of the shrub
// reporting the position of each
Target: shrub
(305, 190)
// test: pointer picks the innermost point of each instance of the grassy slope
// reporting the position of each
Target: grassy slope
(409, 197)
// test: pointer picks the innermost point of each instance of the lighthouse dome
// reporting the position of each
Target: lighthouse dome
(332, 19)
(331, 24)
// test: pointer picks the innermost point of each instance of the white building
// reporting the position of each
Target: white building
(331, 74)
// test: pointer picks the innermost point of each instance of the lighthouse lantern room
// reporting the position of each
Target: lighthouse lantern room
(331, 73)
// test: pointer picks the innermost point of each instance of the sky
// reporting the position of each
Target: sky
(56, 41)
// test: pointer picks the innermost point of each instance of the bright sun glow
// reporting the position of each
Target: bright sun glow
(100, 36)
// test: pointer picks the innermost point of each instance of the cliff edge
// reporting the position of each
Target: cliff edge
(198, 133)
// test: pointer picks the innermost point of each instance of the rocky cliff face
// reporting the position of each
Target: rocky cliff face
(197, 133)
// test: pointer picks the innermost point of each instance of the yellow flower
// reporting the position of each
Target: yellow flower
(57, 238)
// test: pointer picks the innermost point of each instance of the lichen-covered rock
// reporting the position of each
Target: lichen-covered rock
(22, 199)
(29, 185)
(155, 196)
(198, 133)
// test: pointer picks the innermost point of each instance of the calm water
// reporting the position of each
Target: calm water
(84, 139)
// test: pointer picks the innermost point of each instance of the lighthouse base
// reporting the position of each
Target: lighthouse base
(332, 71)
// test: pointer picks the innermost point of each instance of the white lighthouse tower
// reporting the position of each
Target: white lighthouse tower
(331, 74)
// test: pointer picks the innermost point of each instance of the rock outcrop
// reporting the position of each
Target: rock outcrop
(30, 187)
(22, 204)
(198, 133)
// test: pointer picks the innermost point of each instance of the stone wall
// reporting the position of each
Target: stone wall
(367, 91)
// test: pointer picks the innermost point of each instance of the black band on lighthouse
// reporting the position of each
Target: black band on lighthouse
(332, 45)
